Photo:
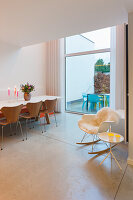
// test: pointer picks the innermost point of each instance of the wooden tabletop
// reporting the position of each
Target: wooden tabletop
(111, 137)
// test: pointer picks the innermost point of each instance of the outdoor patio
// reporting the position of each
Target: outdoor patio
(95, 103)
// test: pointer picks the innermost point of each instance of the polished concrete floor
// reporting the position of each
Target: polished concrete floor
(77, 107)
(51, 166)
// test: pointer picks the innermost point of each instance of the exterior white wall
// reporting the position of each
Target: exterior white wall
(130, 68)
(19, 65)
(79, 69)
(79, 76)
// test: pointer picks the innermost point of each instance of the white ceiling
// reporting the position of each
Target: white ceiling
(25, 22)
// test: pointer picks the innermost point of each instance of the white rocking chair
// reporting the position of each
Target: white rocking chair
(97, 123)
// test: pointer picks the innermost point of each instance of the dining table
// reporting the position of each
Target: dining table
(17, 101)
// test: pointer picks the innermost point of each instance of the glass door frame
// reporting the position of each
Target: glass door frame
(80, 54)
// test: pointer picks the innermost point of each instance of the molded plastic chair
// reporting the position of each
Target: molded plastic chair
(94, 100)
(84, 95)
(11, 115)
(33, 112)
(107, 100)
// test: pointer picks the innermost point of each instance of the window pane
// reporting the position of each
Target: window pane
(90, 41)
(87, 75)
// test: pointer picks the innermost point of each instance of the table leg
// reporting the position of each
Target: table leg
(107, 155)
(105, 158)
(111, 158)
(47, 118)
(116, 161)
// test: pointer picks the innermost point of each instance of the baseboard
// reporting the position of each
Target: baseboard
(129, 161)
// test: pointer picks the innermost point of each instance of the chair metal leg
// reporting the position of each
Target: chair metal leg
(36, 119)
(2, 138)
(83, 137)
(87, 143)
(30, 123)
(55, 119)
(40, 125)
(26, 128)
(16, 127)
(44, 124)
(21, 130)
(11, 130)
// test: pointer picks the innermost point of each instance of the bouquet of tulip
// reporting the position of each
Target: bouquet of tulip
(27, 88)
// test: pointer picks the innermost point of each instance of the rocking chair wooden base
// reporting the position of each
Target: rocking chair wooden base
(102, 151)
(88, 143)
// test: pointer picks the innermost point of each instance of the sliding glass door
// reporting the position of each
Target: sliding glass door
(88, 71)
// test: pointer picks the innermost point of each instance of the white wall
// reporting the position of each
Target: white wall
(118, 75)
(118, 67)
(19, 65)
(130, 56)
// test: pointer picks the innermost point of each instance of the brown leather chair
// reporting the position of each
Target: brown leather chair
(33, 112)
(11, 115)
